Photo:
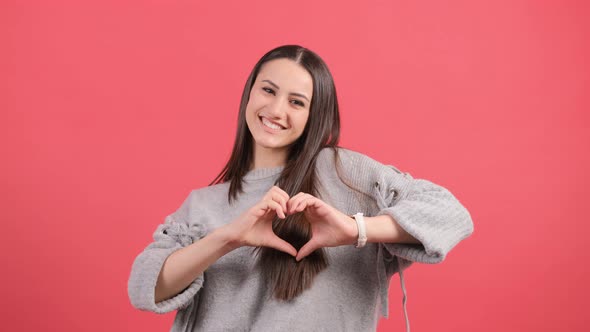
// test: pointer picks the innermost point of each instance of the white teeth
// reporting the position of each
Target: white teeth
(270, 124)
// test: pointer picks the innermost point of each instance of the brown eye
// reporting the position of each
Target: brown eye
(297, 102)
(268, 90)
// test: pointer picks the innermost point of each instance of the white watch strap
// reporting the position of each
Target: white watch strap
(360, 223)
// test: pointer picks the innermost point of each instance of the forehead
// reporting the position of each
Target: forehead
(287, 75)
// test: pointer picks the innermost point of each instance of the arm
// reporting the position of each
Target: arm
(252, 228)
(332, 228)
(431, 214)
(384, 229)
(427, 211)
(169, 272)
(183, 266)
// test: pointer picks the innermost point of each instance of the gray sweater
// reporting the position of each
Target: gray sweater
(349, 295)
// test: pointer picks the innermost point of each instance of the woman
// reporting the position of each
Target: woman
(296, 198)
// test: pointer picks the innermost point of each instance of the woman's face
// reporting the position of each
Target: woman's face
(278, 107)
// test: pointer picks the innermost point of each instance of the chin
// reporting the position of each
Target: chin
(269, 144)
(272, 146)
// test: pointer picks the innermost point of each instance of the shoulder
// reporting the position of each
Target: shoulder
(204, 197)
(360, 171)
(209, 194)
(351, 161)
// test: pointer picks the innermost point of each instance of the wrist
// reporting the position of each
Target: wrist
(362, 230)
(353, 231)
(228, 237)
(384, 229)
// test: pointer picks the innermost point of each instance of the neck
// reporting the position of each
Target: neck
(268, 157)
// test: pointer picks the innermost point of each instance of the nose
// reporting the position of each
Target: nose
(276, 108)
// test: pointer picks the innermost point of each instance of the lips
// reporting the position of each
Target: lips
(270, 124)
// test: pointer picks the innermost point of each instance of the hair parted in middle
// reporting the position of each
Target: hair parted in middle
(287, 277)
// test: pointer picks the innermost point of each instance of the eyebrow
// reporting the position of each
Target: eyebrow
(277, 87)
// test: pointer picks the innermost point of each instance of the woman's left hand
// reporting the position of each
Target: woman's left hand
(330, 227)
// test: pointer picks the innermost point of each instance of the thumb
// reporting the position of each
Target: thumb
(277, 243)
(307, 249)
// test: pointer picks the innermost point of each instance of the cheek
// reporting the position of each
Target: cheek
(251, 100)
(250, 116)
(256, 98)
(251, 107)
(302, 121)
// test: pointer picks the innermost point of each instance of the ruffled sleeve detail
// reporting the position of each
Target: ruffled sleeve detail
(175, 233)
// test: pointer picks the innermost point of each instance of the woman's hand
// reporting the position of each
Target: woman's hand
(330, 227)
(254, 226)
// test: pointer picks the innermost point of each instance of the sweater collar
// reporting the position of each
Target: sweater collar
(263, 173)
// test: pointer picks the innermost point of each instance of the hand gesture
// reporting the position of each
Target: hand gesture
(330, 227)
(254, 226)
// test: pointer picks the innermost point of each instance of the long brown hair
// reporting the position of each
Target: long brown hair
(287, 277)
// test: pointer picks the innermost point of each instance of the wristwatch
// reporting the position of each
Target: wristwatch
(360, 223)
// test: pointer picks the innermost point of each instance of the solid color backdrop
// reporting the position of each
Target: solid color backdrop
(112, 111)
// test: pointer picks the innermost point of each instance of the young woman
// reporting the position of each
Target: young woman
(295, 233)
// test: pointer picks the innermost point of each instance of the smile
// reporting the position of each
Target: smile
(267, 123)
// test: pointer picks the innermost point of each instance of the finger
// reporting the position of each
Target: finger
(277, 208)
(279, 244)
(306, 202)
(277, 197)
(291, 201)
(307, 249)
(259, 209)
(281, 192)
(294, 201)
(302, 204)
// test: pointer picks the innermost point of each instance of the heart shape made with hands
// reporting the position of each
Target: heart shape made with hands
(329, 226)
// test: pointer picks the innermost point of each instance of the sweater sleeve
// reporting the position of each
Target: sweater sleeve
(428, 212)
(175, 233)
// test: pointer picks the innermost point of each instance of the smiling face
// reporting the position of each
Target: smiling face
(278, 107)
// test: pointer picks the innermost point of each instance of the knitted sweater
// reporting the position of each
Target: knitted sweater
(349, 295)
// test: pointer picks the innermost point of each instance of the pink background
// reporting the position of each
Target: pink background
(112, 112)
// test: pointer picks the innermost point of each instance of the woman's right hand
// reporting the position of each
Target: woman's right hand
(254, 226)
